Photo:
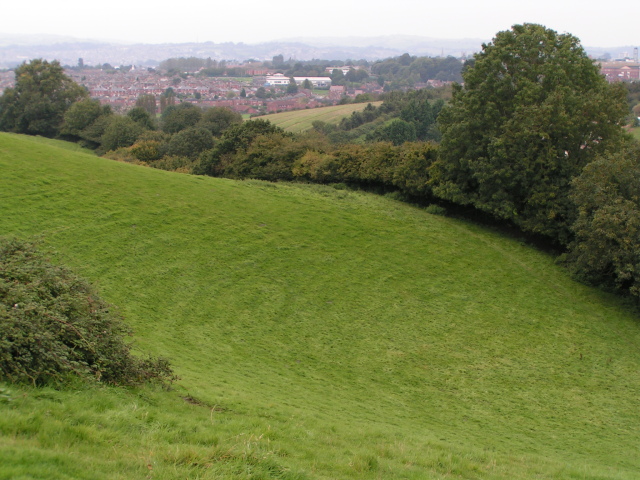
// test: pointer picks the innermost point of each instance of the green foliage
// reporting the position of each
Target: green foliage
(120, 131)
(422, 113)
(397, 131)
(53, 325)
(148, 102)
(218, 119)
(147, 150)
(80, 116)
(86, 121)
(190, 142)
(292, 88)
(142, 117)
(39, 100)
(606, 249)
(92, 134)
(534, 110)
(236, 139)
(178, 117)
(406, 70)
(337, 77)
(261, 92)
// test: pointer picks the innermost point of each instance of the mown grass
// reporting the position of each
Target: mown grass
(318, 334)
(301, 120)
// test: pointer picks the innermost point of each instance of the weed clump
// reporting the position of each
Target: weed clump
(54, 327)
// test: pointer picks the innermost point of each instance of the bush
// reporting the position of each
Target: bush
(606, 248)
(54, 327)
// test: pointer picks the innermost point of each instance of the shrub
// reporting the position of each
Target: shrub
(54, 327)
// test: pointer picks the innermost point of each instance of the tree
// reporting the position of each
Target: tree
(261, 92)
(148, 102)
(534, 110)
(307, 85)
(292, 88)
(397, 131)
(39, 100)
(80, 115)
(190, 142)
(337, 77)
(176, 118)
(86, 121)
(423, 114)
(167, 99)
(121, 131)
(142, 117)
(606, 248)
(218, 119)
(236, 139)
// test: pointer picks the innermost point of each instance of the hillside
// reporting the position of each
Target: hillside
(319, 333)
(302, 120)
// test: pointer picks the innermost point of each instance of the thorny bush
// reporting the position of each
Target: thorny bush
(54, 327)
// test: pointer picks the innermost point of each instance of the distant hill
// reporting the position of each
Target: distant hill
(14, 49)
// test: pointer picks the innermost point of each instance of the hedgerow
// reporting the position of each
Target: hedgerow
(54, 326)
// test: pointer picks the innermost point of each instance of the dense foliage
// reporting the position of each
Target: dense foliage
(407, 70)
(533, 112)
(53, 326)
(417, 110)
(606, 248)
(39, 100)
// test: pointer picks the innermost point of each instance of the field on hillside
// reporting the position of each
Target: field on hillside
(301, 120)
(319, 333)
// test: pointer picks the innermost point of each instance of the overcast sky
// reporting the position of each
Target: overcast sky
(596, 24)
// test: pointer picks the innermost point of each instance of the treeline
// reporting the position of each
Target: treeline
(402, 117)
(396, 73)
(407, 70)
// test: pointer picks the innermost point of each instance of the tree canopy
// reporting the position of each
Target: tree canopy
(39, 100)
(534, 110)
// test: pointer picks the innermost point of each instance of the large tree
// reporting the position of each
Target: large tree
(533, 111)
(179, 117)
(39, 100)
(218, 119)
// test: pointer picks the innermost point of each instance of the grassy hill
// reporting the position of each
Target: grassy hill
(301, 120)
(318, 333)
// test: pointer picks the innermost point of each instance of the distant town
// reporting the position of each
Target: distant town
(249, 88)
(256, 88)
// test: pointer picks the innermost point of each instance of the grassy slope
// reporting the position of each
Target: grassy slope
(332, 334)
(301, 120)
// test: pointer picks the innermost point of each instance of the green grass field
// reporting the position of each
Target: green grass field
(301, 120)
(318, 333)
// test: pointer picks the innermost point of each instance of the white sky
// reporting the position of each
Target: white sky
(596, 24)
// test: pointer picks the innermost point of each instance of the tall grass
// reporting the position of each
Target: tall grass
(318, 333)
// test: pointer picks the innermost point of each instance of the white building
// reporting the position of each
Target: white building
(280, 80)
